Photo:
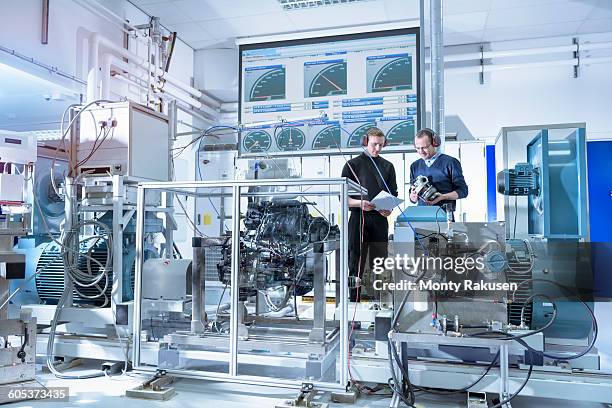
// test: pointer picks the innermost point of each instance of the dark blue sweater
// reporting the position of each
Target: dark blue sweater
(445, 174)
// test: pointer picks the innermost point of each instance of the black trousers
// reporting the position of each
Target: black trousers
(374, 245)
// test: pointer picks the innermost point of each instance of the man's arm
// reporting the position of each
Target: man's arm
(459, 185)
(460, 188)
(365, 205)
(413, 195)
(357, 203)
(392, 181)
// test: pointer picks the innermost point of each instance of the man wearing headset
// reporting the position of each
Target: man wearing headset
(443, 171)
(375, 174)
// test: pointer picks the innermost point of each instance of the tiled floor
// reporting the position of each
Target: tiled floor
(110, 393)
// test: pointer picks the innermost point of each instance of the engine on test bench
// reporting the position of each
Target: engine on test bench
(274, 248)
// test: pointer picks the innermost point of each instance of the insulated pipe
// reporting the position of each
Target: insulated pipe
(437, 70)
(544, 64)
(229, 107)
(92, 67)
(509, 53)
(183, 96)
(108, 61)
(176, 94)
(96, 40)
(212, 102)
(527, 52)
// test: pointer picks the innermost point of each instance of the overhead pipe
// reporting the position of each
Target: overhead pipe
(110, 60)
(528, 51)
(96, 40)
(181, 98)
(543, 64)
(200, 116)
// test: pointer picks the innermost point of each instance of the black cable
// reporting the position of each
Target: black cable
(521, 336)
(219, 304)
(438, 221)
(517, 392)
(467, 387)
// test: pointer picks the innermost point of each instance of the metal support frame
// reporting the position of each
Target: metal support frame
(17, 362)
(117, 228)
(438, 119)
(481, 74)
(317, 334)
(414, 339)
(339, 187)
(44, 35)
(576, 53)
(198, 317)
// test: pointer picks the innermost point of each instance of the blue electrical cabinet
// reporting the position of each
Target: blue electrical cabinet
(600, 208)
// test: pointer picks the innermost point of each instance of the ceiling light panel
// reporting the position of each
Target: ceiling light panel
(289, 5)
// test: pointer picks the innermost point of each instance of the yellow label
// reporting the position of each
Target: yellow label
(207, 219)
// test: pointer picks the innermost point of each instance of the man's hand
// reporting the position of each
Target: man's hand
(384, 213)
(367, 206)
(413, 195)
(452, 196)
(439, 197)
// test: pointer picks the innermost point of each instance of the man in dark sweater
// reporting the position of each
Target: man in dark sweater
(375, 174)
(443, 171)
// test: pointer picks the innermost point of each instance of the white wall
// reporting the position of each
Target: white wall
(69, 26)
(530, 96)
(21, 30)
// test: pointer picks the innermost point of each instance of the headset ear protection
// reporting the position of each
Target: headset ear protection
(364, 141)
(434, 139)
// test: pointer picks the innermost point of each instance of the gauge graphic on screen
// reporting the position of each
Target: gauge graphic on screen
(389, 73)
(256, 141)
(357, 135)
(325, 78)
(290, 138)
(401, 133)
(264, 83)
(327, 138)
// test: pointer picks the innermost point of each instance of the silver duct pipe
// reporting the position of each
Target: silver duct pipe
(437, 69)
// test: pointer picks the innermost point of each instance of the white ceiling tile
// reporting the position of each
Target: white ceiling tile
(401, 9)
(504, 4)
(211, 43)
(595, 26)
(454, 38)
(337, 16)
(239, 8)
(602, 10)
(191, 31)
(536, 31)
(248, 26)
(145, 2)
(464, 6)
(197, 10)
(167, 13)
(540, 14)
(465, 22)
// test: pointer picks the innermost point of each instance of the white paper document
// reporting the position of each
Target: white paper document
(385, 201)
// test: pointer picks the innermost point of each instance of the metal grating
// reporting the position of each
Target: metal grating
(289, 5)
(212, 257)
(50, 281)
(520, 266)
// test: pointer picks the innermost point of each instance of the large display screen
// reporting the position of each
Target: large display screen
(357, 80)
